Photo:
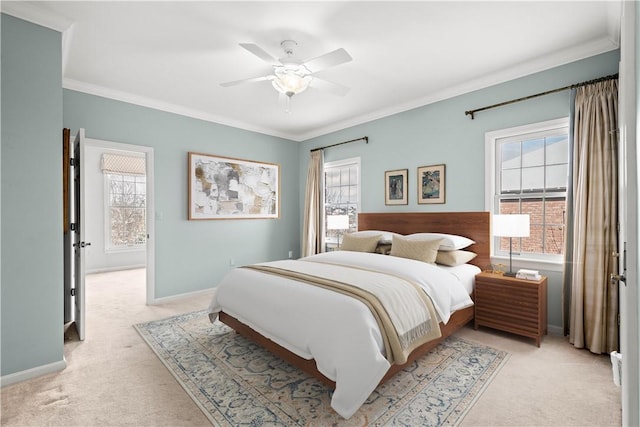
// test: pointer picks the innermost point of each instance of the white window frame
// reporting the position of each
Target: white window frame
(108, 246)
(336, 164)
(544, 261)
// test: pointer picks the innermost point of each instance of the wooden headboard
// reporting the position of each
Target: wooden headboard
(474, 225)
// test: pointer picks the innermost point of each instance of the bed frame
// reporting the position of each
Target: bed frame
(474, 225)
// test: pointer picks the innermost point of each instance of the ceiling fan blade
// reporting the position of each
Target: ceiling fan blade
(331, 59)
(260, 53)
(327, 86)
(249, 80)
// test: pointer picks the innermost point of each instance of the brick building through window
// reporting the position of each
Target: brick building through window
(531, 165)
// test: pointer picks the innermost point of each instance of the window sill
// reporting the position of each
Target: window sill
(127, 249)
(530, 263)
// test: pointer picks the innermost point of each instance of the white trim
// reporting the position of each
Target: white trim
(118, 268)
(31, 373)
(343, 162)
(36, 15)
(151, 253)
(557, 59)
(168, 107)
(109, 248)
(629, 128)
(529, 263)
(338, 164)
(490, 139)
(151, 228)
(173, 298)
(555, 330)
(32, 13)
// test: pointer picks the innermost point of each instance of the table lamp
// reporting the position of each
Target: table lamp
(516, 225)
(338, 222)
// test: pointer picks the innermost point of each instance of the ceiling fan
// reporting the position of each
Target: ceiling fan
(292, 76)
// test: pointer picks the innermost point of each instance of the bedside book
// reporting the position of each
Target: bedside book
(528, 274)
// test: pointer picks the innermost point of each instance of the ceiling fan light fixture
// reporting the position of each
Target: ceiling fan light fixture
(291, 79)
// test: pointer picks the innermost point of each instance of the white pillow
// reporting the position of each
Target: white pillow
(454, 258)
(450, 242)
(385, 236)
(419, 249)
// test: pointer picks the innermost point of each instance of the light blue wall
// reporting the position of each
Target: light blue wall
(32, 307)
(441, 133)
(194, 255)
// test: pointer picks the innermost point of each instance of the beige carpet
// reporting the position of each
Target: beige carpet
(114, 379)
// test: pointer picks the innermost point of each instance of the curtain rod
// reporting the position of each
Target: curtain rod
(365, 138)
(573, 86)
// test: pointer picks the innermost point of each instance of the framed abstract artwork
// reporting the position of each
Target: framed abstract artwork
(431, 184)
(395, 187)
(228, 188)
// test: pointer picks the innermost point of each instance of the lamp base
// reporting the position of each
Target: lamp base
(509, 274)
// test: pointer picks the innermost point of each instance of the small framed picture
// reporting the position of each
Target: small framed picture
(431, 184)
(395, 187)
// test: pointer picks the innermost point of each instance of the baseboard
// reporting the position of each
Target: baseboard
(172, 298)
(555, 330)
(28, 374)
(110, 269)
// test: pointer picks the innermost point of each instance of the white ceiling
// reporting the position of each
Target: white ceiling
(173, 55)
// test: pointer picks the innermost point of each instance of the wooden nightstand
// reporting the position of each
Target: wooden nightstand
(512, 305)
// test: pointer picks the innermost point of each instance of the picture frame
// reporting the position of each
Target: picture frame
(396, 187)
(431, 184)
(229, 188)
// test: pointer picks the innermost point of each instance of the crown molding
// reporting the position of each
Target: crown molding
(155, 104)
(547, 62)
(30, 12)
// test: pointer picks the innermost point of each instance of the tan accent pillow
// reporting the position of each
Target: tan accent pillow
(453, 258)
(421, 250)
(359, 243)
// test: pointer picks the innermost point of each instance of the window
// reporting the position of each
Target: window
(125, 201)
(529, 175)
(341, 200)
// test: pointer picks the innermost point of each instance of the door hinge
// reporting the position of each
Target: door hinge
(72, 161)
(73, 226)
(73, 292)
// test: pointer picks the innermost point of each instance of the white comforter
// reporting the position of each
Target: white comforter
(335, 330)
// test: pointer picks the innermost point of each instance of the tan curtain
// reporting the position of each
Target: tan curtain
(594, 300)
(312, 228)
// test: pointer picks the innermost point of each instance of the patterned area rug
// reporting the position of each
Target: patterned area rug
(235, 382)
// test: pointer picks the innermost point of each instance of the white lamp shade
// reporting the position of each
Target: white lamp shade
(511, 225)
(338, 222)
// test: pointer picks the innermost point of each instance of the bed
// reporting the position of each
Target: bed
(333, 337)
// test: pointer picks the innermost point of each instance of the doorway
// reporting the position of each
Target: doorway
(116, 245)
(119, 204)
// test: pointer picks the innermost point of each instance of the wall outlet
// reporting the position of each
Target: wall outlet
(290, 254)
(232, 262)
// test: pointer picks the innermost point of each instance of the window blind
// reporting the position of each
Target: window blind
(123, 165)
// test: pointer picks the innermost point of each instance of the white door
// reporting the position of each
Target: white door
(79, 240)
(628, 156)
